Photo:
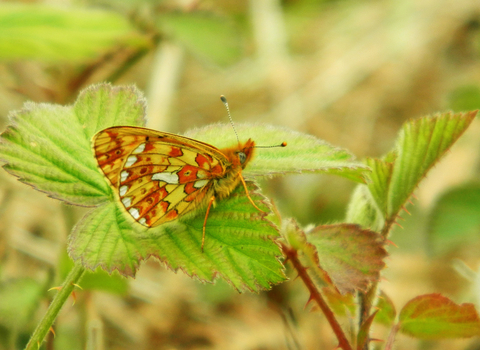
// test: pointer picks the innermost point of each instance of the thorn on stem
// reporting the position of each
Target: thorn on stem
(308, 301)
(396, 223)
(389, 242)
(405, 209)
(53, 332)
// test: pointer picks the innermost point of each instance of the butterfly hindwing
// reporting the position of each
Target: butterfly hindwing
(158, 176)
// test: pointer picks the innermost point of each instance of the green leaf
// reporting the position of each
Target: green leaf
(433, 316)
(363, 210)
(48, 146)
(364, 332)
(352, 257)
(238, 245)
(387, 313)
(380, 180)
(61, 33)
(206, 36)
(455, 219)
(422, 142)
(102, 106)
(304, 153)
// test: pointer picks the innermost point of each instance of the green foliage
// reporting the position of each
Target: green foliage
(60, 34)
(49, 148)
(421, 143)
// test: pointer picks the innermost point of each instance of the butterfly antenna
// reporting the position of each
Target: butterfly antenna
(283, 144)
(224, 100)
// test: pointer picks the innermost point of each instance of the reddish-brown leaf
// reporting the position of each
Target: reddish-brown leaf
(433, 316)
(352, 256)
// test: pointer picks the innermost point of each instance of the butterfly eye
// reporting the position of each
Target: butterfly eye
(242, 156)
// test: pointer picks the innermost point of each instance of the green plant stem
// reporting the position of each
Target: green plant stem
(292, 255)
(43, 327)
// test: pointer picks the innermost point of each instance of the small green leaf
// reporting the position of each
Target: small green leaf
(363, 210)
(238, 245)
(208, 37)
(387, 313)
(303, 153)
(351, 256)
(48, 146)
(364, 331)
(433, 316)
(422, 142)
(455, 219)
(51, 33)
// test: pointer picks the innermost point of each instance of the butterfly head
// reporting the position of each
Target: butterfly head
(245, 153)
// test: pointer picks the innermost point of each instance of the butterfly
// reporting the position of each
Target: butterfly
(160, 177)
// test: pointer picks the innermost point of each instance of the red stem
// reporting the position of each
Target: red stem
(292, 255)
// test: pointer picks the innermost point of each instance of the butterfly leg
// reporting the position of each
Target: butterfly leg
(248, 195)
(212, 199)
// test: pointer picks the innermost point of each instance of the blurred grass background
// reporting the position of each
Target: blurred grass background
(347, 71)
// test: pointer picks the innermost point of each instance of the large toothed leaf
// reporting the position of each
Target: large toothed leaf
(422, 142)
(48, 146)
(50, 33)
(434, 316)
(238, 244)
(304, 153)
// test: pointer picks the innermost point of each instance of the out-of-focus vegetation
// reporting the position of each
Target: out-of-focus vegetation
(350, 72)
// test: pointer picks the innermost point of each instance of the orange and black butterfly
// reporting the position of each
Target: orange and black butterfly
(160, 176)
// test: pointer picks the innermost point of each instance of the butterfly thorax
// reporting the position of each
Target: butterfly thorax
(238, 157)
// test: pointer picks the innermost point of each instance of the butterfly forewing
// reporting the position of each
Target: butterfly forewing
(158, 176)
